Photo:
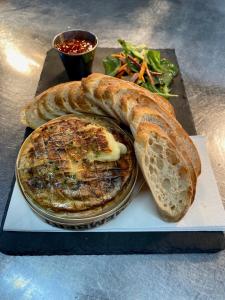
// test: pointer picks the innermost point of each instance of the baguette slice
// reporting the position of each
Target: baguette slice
(102, 90)
(80, 102)
(31, 117)
(95, 93)
(62, 96)
(144, 113)
(50, 104)
(43, 112)
(46, 111)
(165, 171)
(56, 101)
(131, 99)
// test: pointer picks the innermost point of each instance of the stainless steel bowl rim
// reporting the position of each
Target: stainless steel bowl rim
(74, 54)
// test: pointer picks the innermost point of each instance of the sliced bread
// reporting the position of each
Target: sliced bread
(165, 171)
(146, 115)
(31, 117)
(142, 113)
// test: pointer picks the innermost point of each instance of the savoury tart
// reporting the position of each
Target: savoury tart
(77, 166)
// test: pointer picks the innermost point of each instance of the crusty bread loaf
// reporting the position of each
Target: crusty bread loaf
(166, 154)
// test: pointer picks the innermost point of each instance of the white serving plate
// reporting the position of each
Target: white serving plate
(206, 213)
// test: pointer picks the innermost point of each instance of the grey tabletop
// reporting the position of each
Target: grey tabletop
(196, 29)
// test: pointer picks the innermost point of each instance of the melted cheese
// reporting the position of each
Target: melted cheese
(116, 150)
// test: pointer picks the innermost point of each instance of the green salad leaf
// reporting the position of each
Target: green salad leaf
(161, 90)
(166, 78)
(132, 50)
(143, 66)
(111, 65)
(153, 58)
(160, 65)
(168, 66)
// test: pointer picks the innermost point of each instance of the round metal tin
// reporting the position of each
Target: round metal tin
(91, 218)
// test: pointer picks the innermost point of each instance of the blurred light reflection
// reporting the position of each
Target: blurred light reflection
(18, 61)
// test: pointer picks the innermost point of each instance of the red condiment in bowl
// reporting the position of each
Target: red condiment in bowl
(75, 46)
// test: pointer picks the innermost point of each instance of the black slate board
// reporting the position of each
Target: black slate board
(45, 243)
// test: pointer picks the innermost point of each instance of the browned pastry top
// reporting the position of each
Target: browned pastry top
(65, 165)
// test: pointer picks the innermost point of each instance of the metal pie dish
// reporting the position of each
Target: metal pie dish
(99, 214)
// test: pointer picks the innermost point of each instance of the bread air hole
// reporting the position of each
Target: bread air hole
(157, 148)
(150, 141)
(155, 171)
(159, 163)
(171, 157)
(151, 170)
(166, 184)
(163, 197)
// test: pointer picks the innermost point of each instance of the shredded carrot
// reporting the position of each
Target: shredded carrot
(142, 71)
(118, 55)
(122, 68)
